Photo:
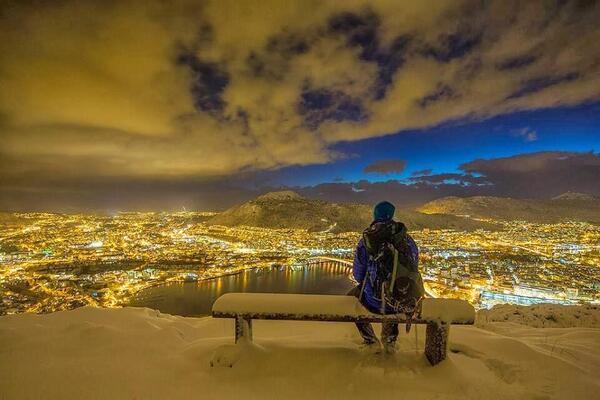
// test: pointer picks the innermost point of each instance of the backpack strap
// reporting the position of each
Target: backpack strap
(366, 240)
(394, 270)
(383, 298)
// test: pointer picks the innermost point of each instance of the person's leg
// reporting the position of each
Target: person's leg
(364, 328)
(367, 332)
(389, 332)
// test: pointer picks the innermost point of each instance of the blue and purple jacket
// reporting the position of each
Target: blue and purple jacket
(362, 264)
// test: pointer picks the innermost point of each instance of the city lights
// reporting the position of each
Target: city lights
(53, 262)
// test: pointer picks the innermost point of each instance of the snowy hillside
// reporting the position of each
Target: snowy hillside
(135, 353)
(543, 315)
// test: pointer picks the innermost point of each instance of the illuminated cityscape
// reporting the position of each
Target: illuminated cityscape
(190, 189)
(481, 109)
(53, 262)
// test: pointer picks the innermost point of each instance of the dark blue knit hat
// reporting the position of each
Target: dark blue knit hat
(383, 211)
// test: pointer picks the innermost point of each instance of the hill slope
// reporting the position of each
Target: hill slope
(287, 209)
(567, 207)
(136, 353)
(575, 196)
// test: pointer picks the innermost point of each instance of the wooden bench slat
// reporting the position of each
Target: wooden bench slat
(308, 307)
(400, 318)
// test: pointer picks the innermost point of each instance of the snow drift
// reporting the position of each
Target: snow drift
(544, 315)
(135, 353)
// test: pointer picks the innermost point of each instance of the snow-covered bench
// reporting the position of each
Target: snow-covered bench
(437, 314)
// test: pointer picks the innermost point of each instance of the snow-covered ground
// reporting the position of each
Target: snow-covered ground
(543, 315)
(135, 353)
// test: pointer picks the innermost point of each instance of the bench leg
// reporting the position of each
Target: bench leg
(436, 342)
(243, 329)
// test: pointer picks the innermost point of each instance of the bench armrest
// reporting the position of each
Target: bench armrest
(448, 311)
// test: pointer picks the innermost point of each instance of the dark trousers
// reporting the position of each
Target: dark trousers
(389, 330)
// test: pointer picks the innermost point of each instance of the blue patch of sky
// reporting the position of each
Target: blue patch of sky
(445, 147)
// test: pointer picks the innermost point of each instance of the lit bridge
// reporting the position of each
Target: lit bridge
(334, 264)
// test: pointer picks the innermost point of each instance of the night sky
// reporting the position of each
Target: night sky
(155, 105)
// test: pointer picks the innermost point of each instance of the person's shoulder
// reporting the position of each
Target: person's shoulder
(405, 229)
(411, 242)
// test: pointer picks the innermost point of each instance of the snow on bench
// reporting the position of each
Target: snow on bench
(438, 314)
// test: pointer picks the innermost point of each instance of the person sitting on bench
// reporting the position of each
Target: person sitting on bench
(386, 269)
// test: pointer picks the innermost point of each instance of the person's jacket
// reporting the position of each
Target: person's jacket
(362, 264)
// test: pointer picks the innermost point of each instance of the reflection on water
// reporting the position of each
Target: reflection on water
(193, 299)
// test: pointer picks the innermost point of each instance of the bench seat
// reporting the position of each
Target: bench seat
(437, 314)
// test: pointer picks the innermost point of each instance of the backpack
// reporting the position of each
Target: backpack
(397, 282)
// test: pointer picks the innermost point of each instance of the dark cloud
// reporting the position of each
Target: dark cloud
(441, 93)
(449, 46)
(421, 172)
(362, 31)
(540, 83)
(535, 175)
(360, 28)
(516, 62)
(207, 84)
(401, 194)
(385, 167)
(450, 178)
(389, 60)
(287, 44)
(320, 105)
(272, 61)
(543, 174)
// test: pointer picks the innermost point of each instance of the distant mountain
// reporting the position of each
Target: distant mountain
(10, 218)
(416, 220)
(566, 207)
(288, 209)
(576, 196)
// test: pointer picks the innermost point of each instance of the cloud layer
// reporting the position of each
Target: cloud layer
(154, 90)
(535, 175)
(540, 175)
(385, 167)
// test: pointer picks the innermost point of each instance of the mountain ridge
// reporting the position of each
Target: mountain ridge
(566, 207)
(575, 196)
(288, 209)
